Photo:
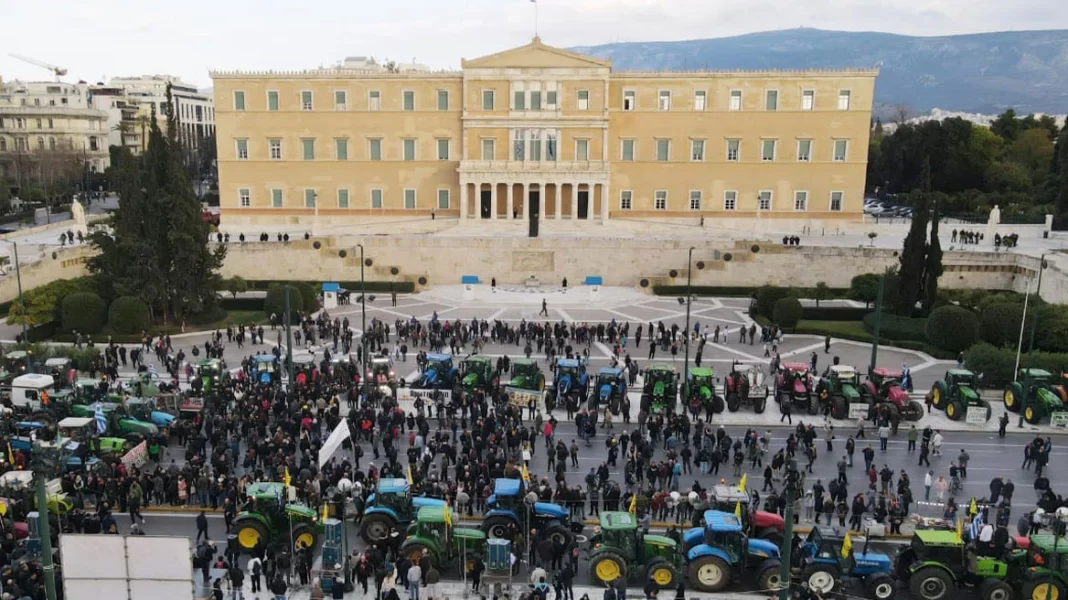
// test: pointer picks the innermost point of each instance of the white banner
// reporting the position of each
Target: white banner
(337, 436)
(411, 394)
(137, 456)
(521, 398)
(1059, 418)
(858, 410)
(976, 415)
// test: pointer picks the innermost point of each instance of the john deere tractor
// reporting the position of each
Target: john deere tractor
(956, 393)
(719, 552)
(841, 388)
(621, 550)
(434, 535)
(527, 375)
(1033, 393)
(212, 374)
(478, 372)
(660, 391)
(702, 391)
(884, 387)
(438, 374)
(267, 516)
(119, 421)
(611, 389)
(391, 508)
(938, 562)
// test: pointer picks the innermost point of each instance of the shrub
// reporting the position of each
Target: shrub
(952, 328)
(128, 314)
(767, 296)
(999, 324)
(893, 327)
(865, 288)
(834, 313)
(255, 304)
(275, 303)
(235, 285)
(308, 295)
(1052, 332)
(787, 312)
(82, 312)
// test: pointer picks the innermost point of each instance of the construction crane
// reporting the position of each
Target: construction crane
(57, 71)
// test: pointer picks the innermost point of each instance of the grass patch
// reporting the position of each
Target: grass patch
(219, 319)
(850, 330)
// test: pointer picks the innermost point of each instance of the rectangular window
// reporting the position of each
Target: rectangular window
(409, 101)
(376, 198)
(306, 100)
(276, 198)
(309, 149)
(535, 100)
(409, 150)
(409, 199)
(733, 150)
(582, 150)
(767, 150)
(239, 100)
(520, 100)
(341, 100)
(519, 144)
(800, 201)
(342, 146)
(487, 99)
(50, 124)
(700, 100)
(584, 99)
(695, 200)
(443, 99)
(804, 150)
(443, 199)
(663, 100)
(697, 150)
(663, 150)
(535, 144)
(836, 201)
(628, 100)
(730, 200)
(245, 197)
(550, 99)
(309, 198)
(660, 200)
(242, 149)
(489, 149)
(550, 144)
(764, 200)
(735, 101)
(843, 99)
(627, 150)
(625, 200)
(374, 100)
(374, 149)
(342, 198)
(808, 99)
(443, 149)
(840, 149)
(275, 149)
(771, 100)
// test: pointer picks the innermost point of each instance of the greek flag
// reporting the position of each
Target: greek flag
(101, 422)
(152, 369)
(975, 527)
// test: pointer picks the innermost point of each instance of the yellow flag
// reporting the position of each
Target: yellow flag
(410, 480)
(285, 478)
(10, 454)
(973, 509)
(847, 546)
(738, 510)
(326, 511)
(744, 480)
(524, 473)
(448, 517)
(960, 530)
(633, 504)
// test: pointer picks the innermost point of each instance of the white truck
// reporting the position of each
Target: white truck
(26, 393)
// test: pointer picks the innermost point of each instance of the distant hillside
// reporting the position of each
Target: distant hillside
(981, 73)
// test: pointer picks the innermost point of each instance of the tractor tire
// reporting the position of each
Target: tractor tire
(1012, 398)
(821, 577)
(781, 397)
(558, 532)
(989, 409)
(606, 567)
(252, 536)
(930, 583)
(718, 404)
(995, 589)
(734, 402)
(760, 404)
(881, 587)
(938, 395)
(913, 411)
(839, 408)
(814, 405)
(1039, 589)
(304, 536)
(954, 410)
(902, 562)
(1032, 413)
(769, 576)
(376, 527)
(414, 551)
(496, 527)
(662, 573)
(709, 574)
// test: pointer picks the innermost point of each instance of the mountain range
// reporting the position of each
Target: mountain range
(981, 73)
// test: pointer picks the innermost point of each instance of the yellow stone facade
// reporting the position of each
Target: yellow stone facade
(540, 130)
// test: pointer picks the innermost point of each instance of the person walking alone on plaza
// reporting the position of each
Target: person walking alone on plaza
(544, 308)
(202, 527)
(928, 479)
(962, 463)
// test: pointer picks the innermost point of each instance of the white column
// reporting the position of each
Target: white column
(523, 208)
(558, 201)
(605, 199)
(574, 200)
(463, 199)
(493, 200)
(511, 200)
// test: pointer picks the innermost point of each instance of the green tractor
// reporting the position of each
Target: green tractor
(16, 362)
(1047, 574)
(703, 391)
(432, 533)
(212, 374)
(120, 422)
(956, 393)
(267, 516)
(660, 392)
(841, 387)
(937, 562)
(1033, 392)
(621, 550)
(478, 372)
(527, 375)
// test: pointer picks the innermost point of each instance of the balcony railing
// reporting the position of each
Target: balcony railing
(548, 166)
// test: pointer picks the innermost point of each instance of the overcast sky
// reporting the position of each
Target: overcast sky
(95, 39)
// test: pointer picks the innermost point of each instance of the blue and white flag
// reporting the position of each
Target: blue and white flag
(101, 421)
(975, 527)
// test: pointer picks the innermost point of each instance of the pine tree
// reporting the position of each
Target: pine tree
(933, 263)
(913, 255)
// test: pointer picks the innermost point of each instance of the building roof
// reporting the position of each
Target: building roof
(536, 55)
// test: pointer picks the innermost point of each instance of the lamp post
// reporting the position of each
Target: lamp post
(793, 481)
(878, 323)
(363, 322)
(1034, 328)
(686, 336)
(22, 301)
(289, 347)
(43, 466)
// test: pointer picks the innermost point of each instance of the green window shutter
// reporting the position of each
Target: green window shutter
(309, 149)
(342, 198)
(272, 101)
(342, 149)
(443, 199)
(239, 100)
(276, 198)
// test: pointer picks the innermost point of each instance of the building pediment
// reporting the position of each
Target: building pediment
(536, 55)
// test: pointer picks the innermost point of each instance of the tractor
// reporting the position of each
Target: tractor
(380, 374)
(527, 375)
(841, 388)
(611, 389)
(884, 386)
(266, 518)
(304, 368)
(571, 379)
(438, 373)
(958, 392)
(702, 392)
(432, 533)
(1040, 398)
(478, 372)
(120, 422)
(719, 552)
(1047, 573)
(507, 509)
(826, 559)
(794, 384)
(745, 385)
(212, 375)
(391, 508)
(265, 369)
(621, 550)
(16, 362)
(660, 390)
(757, 524)
(937, 562)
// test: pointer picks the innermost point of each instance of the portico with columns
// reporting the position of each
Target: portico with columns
(493, 196)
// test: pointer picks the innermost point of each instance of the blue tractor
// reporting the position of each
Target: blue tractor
(570, 379)
(719, 553)
(824, 565)
(508, 509)
(611, 390)
(391, 508)
(438, 374)
(265, 369)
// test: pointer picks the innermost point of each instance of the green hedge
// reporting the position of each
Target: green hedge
(996, 364)
(734, 291)
(999, 324)
(834, 313)
(275, 303)
(242, 303)
(893, 327)
(83, 312)
(128, 314)
(953, 328)
(401, 287)
(787, 312)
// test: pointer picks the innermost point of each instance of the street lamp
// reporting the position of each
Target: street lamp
(363, 321)
(686, 337)
(1034, 327)
(22, 301)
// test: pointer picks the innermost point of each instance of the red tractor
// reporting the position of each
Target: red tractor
(794, 385)
(884, 387)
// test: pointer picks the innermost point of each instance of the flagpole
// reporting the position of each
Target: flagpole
(535, 17)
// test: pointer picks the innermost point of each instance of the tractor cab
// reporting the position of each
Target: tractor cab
(212, 374)
(960, 380)
(571, 376)
(381, 371)
(610, 384)
(793, 373)
(703, 382)
(265, 368)
(477, 371)
(622, 550)
(60, 370)
(303, 367)
(824, 545)
(845, 375)
(267, 518)
(756, 523)
(885, 378)
(17, 362)
(433, 532)
(660, 389)
(1045, 551)
(143, 410)
(527, 375)
(726, 531)
(438, 372)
